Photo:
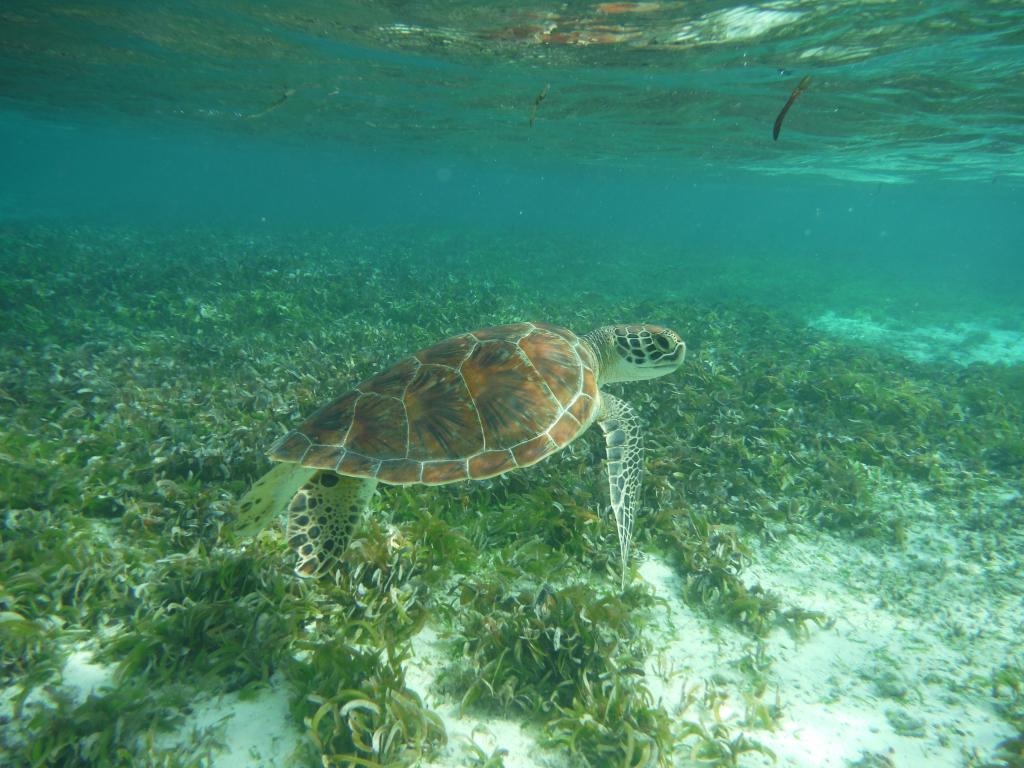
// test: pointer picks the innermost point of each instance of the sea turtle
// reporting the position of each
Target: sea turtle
(473, 406)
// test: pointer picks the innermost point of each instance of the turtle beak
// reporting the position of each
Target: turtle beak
(674, 358)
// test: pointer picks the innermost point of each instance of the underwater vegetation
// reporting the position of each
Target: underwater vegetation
(569, 654)
(142, 375)
(710, 559)
(357, 709)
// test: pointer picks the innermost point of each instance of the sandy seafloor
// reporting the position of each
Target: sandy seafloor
(894, 677)
(889, 678)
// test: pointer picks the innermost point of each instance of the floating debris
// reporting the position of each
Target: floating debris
(288, 93)
(789, 103)
(536, 103)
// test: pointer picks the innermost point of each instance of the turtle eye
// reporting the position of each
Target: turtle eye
(662, 341)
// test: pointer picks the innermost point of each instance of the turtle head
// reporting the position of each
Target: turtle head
(636, 352)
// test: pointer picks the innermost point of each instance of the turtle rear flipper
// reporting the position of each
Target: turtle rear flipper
(268, 496)
(321, 517)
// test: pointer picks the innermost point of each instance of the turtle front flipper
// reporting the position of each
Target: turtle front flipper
(625, 447)
(267, 497)
(321, 517)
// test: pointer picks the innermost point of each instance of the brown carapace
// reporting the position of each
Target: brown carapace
(471, 407)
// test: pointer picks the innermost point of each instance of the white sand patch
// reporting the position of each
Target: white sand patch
(880, 680)
(256, 732)
(693, 654)
(963, 343)
(917, 630)
(843, 690)
(80, 677)
(84, 676)
(688, 648)
(463, 728)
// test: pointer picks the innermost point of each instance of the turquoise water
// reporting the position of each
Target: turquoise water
(904, 152)
(215, 217)
(900, 91)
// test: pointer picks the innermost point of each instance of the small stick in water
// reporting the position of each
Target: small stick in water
(277, 103)
(789, 103)
(537, 101)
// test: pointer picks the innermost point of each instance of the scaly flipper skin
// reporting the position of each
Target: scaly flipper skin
(267, 498)
(321, 517)
(625, 447)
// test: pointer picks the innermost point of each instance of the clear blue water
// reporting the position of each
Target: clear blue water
(904, 154)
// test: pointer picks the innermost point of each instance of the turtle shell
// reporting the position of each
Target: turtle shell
(470, 407)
